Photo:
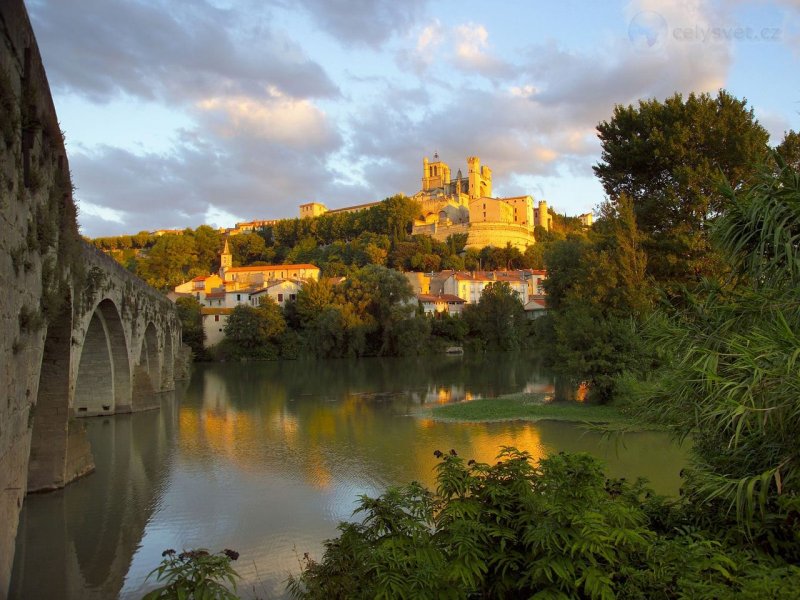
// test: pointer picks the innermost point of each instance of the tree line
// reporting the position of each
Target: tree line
(338, 243)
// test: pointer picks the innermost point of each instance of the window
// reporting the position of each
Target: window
(280, 297)
(216, 317)
(292, 296)
(238, 297)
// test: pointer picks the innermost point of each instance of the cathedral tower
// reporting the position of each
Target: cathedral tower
(435, 174)
(479, 179)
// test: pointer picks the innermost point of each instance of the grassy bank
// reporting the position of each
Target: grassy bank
(526, 407)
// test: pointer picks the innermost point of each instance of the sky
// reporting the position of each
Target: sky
(184, 112)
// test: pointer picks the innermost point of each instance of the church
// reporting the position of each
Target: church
(464, 205)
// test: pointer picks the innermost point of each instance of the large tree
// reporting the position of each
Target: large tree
(671, 158)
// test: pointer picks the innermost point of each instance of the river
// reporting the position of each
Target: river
(267, 458)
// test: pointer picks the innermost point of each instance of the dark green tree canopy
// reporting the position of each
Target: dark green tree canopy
(671, 158)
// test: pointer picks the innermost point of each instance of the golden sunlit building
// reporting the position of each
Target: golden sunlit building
(464, 204)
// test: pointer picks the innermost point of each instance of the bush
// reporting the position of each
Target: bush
(195, 574)
(559, 529)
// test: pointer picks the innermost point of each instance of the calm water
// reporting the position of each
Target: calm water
(267, 458)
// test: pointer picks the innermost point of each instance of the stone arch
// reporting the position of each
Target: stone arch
(151, 356)
(118, 346)
(50, 413)
(103, 380)
(147, 374)
(168, 363)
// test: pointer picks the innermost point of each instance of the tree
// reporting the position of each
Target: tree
(395, 216)
(192, 324)
(671, 159)
(171, 261)
(381, 297)
(208, 245)
(312, 299)
(254, 332)
(247, 248)
(598, 292)
(498, 318)
(789, 149)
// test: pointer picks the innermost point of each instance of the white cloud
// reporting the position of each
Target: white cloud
(471, 43)
(277, 118)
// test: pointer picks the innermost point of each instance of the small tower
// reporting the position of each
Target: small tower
(225, 260)
(435, 174)
(479, 179)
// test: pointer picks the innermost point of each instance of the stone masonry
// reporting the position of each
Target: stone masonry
(79, 335)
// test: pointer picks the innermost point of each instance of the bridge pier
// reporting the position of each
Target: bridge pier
(81, 335)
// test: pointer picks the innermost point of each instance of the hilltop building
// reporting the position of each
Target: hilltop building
(464, 205)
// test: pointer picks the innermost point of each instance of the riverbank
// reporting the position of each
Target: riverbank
(530, 407)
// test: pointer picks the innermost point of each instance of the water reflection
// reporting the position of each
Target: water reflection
(79, 542)
(267, 458)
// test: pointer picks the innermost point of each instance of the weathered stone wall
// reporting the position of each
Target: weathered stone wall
(79, 335)
(34, 187)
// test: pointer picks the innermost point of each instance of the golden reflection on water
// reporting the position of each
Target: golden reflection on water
(482, 443)
(268, 458)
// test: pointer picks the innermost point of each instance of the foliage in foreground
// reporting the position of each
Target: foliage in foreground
(558, 529)
(732, 374)
(195, 575)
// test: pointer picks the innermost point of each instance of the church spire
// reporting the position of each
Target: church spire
(225, 260)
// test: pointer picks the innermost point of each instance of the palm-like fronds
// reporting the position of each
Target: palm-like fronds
(733, 380)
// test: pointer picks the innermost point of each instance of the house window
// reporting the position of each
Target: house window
(292, 296)
(280, 297)
(216, 317)
(238, 297)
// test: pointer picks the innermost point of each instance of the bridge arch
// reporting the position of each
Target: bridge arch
(50, 413)
(103, 380)
(168, 364)
(147, 373)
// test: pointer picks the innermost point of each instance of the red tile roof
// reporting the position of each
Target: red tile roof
(270, 268)
(215, 311)
(440, 298)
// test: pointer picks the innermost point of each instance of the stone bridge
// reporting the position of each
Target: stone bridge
(80, 336)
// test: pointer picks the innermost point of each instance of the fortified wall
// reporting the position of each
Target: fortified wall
(81, 336)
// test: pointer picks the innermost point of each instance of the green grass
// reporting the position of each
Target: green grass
(527, 407)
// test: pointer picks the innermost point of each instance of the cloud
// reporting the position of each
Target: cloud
(364, 22)
(464, 46)
(471, 42)
(278, 119)
(256, 167)
(170, 51)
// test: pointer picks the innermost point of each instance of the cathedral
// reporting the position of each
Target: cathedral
(465, 205)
